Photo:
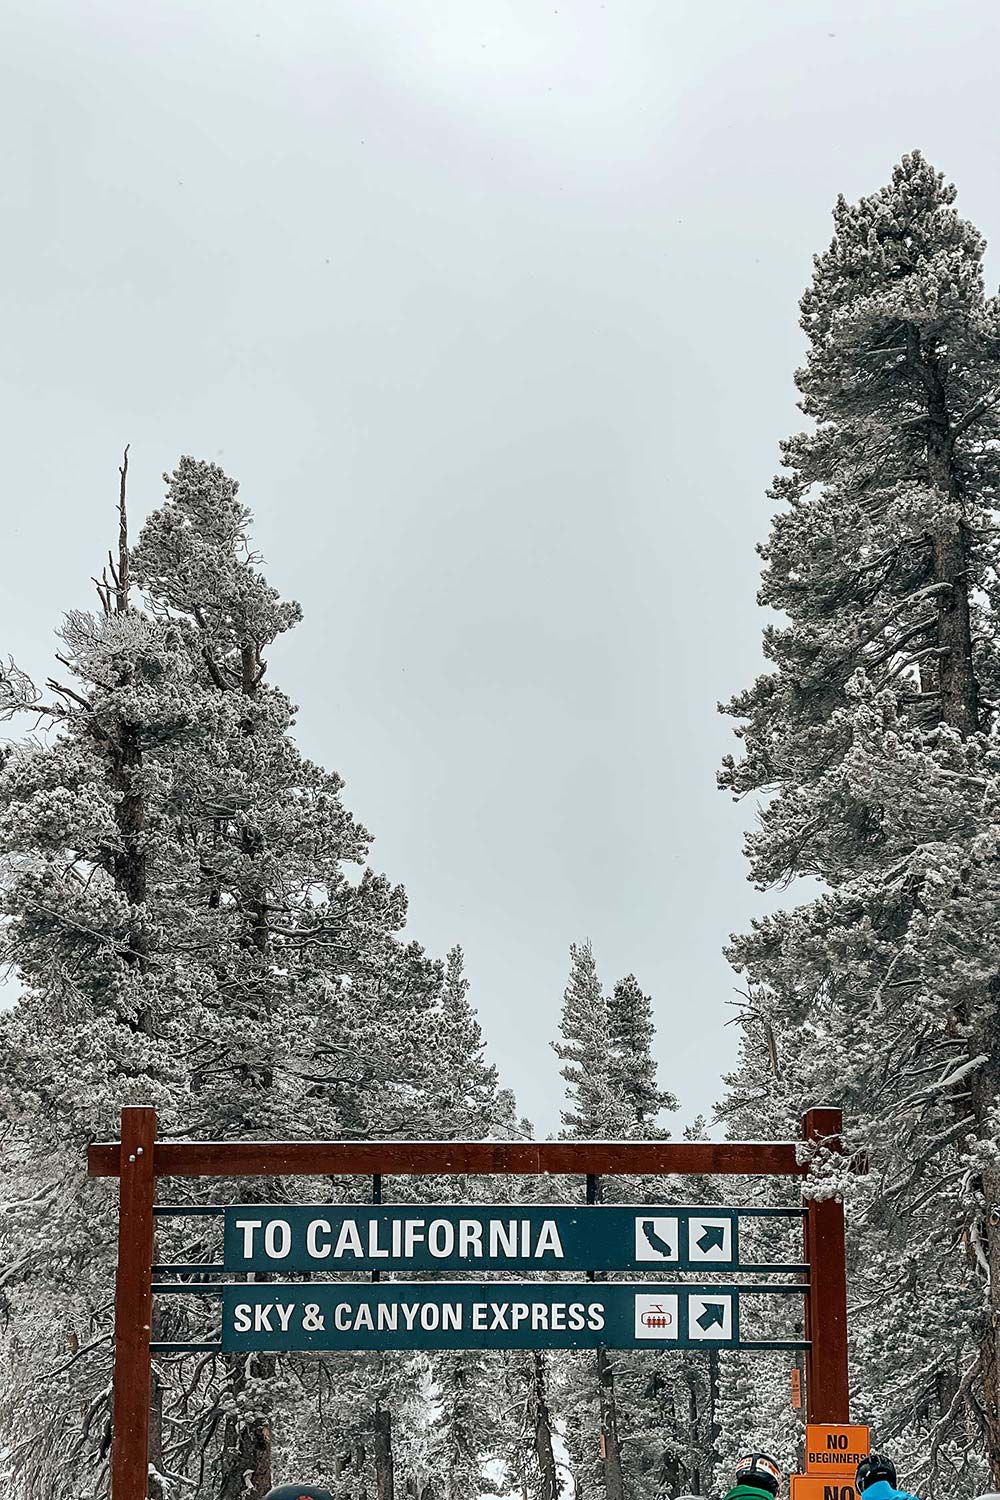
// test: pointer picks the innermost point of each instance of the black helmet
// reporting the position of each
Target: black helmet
(298, 1492)
(873, 1468)
(760, 1471)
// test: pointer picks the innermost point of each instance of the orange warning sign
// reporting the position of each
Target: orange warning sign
(818, 1487)
(836, 1451)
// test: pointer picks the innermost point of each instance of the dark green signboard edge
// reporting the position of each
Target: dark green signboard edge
(463, 1315)
(592, 1238)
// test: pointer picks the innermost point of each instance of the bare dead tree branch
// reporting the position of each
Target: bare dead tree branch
(122, 580)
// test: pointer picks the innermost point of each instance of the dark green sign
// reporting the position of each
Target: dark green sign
(428, 1238)
(464, 1315)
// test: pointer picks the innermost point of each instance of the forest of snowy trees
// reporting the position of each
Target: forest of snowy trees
(191, 922)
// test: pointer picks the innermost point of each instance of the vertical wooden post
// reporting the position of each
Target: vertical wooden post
(827, 1391)
(133, 1307)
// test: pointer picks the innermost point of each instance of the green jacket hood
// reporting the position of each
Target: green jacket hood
(748, 1492)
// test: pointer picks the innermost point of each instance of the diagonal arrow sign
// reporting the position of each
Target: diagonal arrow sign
(714, 1238)
(714, 1316)
(656, 1241)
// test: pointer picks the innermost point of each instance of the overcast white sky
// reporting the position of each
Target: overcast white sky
(491, 307)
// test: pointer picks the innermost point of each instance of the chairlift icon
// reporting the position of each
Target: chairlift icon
(656, 1315)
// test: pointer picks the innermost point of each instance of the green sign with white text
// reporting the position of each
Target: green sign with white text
(335, 1238)
(468, 1315)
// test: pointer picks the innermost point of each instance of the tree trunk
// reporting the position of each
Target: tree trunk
(956, 674)
(959, 692)
(614, 1483)
(543, 1434)
(360, 1460)
(130, 861)
(694, 1432)
(985, 1088)
(382, 1451)
(714, 1425)
(246, 1445)
(156, 1437)
(250, 1452)
(125, 749)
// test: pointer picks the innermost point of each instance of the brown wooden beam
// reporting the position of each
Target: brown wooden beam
(333, 1158)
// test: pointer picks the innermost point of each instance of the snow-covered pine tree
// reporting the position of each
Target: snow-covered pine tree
(441, 1424)
(754, 1390)
(668, 1402)
(475, 1432)
(310, 959)
(591, 1111)
(612, 1092)
(587, 1114)
(632, 1069)
(178, 912)
(82, 844)
(873, 740)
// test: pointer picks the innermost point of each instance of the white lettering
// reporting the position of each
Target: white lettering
(549, 1242)
(349, 1240)
(375, 1251)
(277, 1239)
(363, 1318)
(388, 1317)
(314, 1249)
(414, 1234)
(342, 1317)
(242, 1320)
(409, 1311)
(262, 1318)
(441, 1239)
(503, 1236)
(480, 1312)
(470, 1239)
(595, 1315)
(284, 1311)
(452, 1315)
(249, 1228)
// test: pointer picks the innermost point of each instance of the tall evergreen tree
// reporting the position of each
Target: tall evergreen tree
(178, 909)
(641, 1403)
(631, 1064)
(475, 1432)
(591, 1110)
(872, 737)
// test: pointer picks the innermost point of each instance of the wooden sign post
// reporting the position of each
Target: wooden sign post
(827, 1395)
(138, 1160)
(133, 1305)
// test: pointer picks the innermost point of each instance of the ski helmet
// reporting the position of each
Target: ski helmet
(298, 1492)
(873, 1468)
(760, 1471)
